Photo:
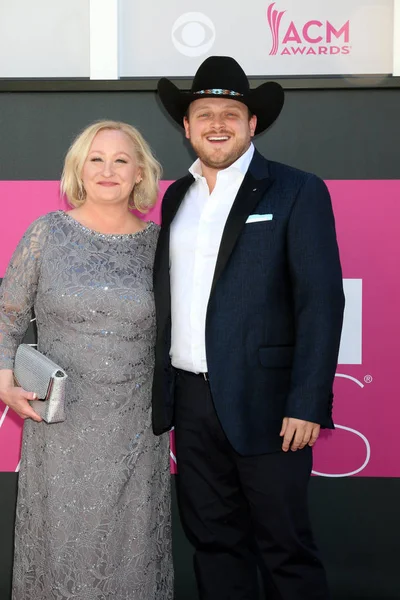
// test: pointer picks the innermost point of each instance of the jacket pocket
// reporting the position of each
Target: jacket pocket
(276, 357)
(260, 226)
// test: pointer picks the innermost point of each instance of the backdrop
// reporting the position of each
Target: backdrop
(347, 137)
(369, 250)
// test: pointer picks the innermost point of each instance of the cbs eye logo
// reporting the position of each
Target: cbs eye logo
(193, 34)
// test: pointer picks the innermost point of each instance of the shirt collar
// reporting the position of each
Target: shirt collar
(241, 164)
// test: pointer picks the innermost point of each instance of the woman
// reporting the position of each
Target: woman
(93, 513)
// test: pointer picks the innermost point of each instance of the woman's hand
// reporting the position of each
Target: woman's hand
(17, 398)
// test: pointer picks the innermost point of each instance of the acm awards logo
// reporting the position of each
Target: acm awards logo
(314, 37)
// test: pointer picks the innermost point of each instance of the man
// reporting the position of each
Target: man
(249, 300)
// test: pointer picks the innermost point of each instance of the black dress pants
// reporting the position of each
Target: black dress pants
(240, 512)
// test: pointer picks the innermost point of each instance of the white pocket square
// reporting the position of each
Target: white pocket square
(258, 218)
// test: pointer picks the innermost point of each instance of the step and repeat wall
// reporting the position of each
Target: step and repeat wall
(350, 139)
(348, 136)
(370, 249)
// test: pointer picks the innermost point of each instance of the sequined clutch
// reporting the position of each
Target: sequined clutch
(36, 373)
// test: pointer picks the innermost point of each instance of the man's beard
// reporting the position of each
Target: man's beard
(220, 160)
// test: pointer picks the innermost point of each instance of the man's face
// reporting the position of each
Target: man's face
(219, 130)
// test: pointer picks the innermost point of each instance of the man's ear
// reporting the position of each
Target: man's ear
(253, 124)
(186, 126)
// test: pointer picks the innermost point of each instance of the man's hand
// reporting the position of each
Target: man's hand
(297, 433)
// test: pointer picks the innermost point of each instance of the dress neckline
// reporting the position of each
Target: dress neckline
(105, 236)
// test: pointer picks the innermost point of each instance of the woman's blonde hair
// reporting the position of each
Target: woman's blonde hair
(144, 195)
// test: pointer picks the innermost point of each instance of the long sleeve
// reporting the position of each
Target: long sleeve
(318, 300)
(18, 290)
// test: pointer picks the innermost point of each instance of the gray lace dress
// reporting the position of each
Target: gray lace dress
(93, 510)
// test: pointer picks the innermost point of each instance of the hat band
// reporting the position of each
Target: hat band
(218, 92)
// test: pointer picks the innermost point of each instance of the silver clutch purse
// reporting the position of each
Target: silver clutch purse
(36, 373)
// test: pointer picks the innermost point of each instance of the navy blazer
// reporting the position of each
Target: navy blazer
(275, 311)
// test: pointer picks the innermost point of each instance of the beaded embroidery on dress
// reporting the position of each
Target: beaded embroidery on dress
(93, 510)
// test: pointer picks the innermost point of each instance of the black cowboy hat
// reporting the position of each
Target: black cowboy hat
(223, 77)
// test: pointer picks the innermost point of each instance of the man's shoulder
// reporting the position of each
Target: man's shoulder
(291, 183)
(283, 172)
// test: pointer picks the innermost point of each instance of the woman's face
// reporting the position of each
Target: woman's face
(110, 170)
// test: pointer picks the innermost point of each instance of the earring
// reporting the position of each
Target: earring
(81, 194)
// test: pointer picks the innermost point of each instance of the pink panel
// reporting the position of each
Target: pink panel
(367, 220)
(366, 409)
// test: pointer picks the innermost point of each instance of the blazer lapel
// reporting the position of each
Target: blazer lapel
(161, 261)
(173, 202)
(169, 210)
(255, 184)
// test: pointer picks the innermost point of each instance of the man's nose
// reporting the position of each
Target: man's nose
(218, 122)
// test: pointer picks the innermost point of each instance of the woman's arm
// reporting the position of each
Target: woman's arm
(17, 296)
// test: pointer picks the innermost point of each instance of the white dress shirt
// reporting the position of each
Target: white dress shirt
(195, 238)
